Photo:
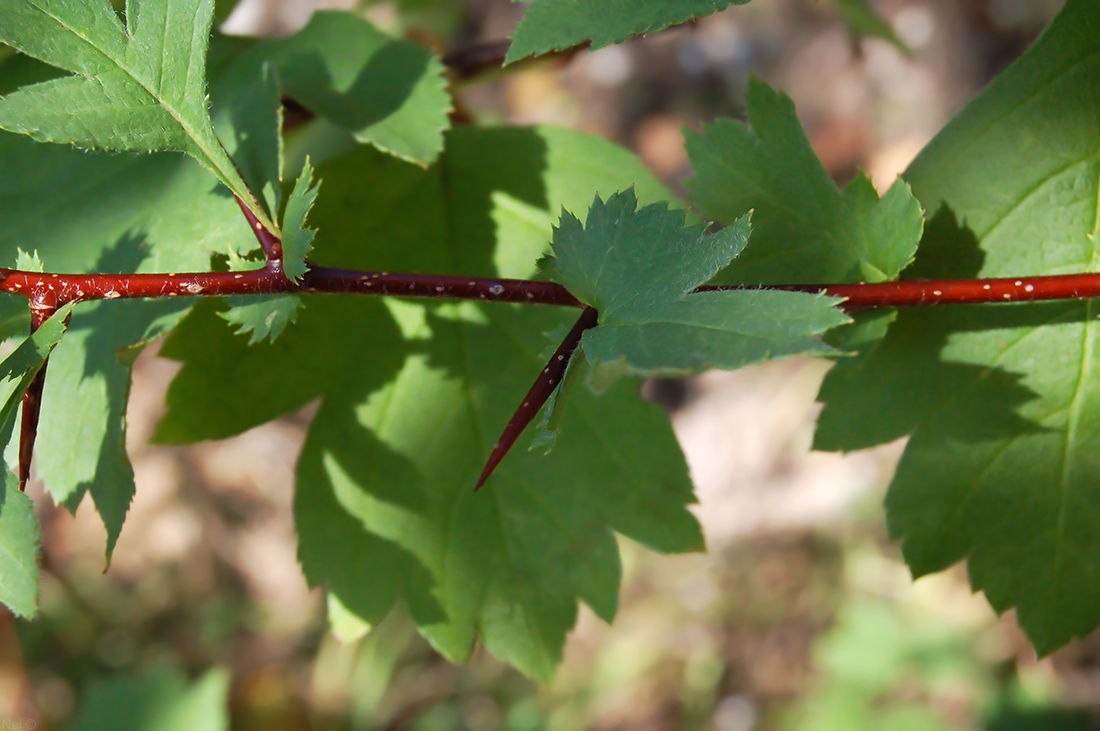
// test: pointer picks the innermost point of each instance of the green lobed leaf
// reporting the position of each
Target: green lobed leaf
(297, 239)
(638, 268)
(414, 394)
(83, 422)
(388, 92)
(160, 700)
(550, 25)
(139, 87)
(804, 229)
(248, 118)
(19, 539)
(1002, 402)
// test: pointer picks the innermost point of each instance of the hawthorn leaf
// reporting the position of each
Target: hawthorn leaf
(139, 87)
(863, 20)
(157, 700)
(248, 118)
(82, 425)
(638, 268)
(19, 540)
(297, 239)
(411, 404)
(804, 229)
(551, 25)
(142, 207)
(262, 317)
(95, 212)
(387, 92)
(1001, 401)
(19, 535)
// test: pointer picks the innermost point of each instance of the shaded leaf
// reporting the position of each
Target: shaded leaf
(160, 700)
(248, 117)
(388, 92)
(804, 229)
(139, 87)
(412, 396)
(550, 25)
(19, 539)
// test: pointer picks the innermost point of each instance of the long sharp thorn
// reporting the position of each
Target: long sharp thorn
(28, 428)
(32, 404)
(544, 385)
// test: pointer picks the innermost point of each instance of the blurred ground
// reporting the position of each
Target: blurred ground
(801, 616)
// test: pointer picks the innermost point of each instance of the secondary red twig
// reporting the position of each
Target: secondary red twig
(318, 279)
(915, 293)
(544, 385)
(271, 244)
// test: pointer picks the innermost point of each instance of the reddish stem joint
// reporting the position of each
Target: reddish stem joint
(544, 385)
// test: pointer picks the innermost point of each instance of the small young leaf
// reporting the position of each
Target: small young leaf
(551, 25)
(28, 262)
(139, 87)
(297, 239)
(19, 540)
(804, 229)
(384, 505)
(262, 317)
(639, 267)
(248, 117)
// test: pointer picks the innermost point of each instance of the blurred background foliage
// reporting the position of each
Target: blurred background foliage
(800, 617)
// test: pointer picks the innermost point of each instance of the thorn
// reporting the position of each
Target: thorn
(544, 386)
(28, 429)
(32, 405)
(269, 242)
